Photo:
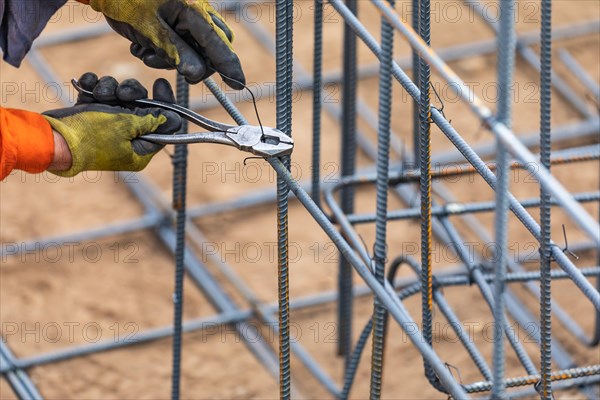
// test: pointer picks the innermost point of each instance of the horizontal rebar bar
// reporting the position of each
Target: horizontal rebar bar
(140, 338)
(114, 229)
(588, 129)
(511, 277)
(464, 208)
(534, 379)
(589, 382)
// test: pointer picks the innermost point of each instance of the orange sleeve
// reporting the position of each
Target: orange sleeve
(26, 142)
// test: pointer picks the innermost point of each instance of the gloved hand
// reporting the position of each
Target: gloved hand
(185, 34)
(105, 137)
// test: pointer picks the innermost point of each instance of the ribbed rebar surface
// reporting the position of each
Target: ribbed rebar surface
(354, 360)
(425, 182)
(284, 75)
(225, 102)
(383, 160)
(416, 67)
(545, 388)
(179, 197)
(317, 106)
(561, 375)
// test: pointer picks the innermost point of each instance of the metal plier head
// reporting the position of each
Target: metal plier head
(261, 141)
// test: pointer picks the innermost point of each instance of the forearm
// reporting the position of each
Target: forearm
(62, 159)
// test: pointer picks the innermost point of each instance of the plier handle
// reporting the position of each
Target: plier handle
(261, 141)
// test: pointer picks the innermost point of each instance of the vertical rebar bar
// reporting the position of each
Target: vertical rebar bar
(317, 93)
(545, 389)
(425, 181)
(284, 67)
(383, 160)
(348, 167)
(179, 196)
(505, 65)
(416, 66)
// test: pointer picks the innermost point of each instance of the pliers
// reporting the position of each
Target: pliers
(261, 141)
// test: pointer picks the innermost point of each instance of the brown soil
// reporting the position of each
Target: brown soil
(122, 285)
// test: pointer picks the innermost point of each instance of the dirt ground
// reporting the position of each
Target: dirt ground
(86, 291)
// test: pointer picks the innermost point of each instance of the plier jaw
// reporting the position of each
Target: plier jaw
(261, 141)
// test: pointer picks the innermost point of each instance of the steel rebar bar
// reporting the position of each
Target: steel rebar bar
(284, 43)
(383, 160)
(179, 202)
(572, 373)
(424, 160)
(348, 168)
(505, 67)
(317, 99)
(545, 387)
(416, 68)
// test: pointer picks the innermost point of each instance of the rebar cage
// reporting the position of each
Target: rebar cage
(415, 177)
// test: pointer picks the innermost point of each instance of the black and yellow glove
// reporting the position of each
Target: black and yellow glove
(105, 137)
(185, 34)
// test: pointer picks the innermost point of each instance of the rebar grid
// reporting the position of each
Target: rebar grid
(434, 218)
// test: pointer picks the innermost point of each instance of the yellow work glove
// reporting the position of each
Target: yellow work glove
(105, 137)
(185, 34)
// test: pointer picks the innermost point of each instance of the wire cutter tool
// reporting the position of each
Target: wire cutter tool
(261, 141)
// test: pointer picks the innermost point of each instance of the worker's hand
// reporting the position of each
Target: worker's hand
(106, 137)
(185, 34)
